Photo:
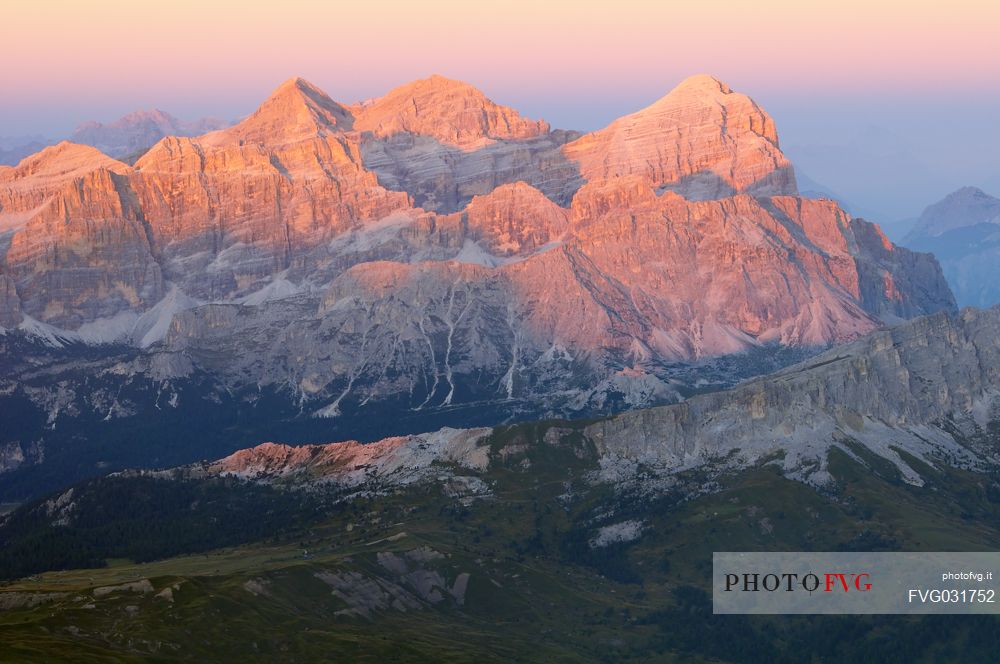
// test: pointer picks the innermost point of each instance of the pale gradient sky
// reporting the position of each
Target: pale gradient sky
(925, 74)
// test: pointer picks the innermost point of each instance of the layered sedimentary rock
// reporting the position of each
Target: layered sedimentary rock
(623, 280)
(444, 178)
(24, 189)
(10, 303)
(451, 112)
(922, 395)
(444, 142)
(930, 387)
(86, 254)
(702, 140)
(512, 220)
(535, 267)
(72, 240)
(234, 207)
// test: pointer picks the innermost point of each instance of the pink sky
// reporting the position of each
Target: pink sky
(224, 56)
(927, 70)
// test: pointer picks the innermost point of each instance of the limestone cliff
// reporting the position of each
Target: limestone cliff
(919, 396)
(435, 247)
(702, 140)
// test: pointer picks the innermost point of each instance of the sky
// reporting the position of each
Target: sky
(887, 103)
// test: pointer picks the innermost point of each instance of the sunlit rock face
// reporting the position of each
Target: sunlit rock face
(86, 253)
(435, 247)
(25, 188)
(607, 290)
(701, 140)
(451, 112)
(444, 142)
(233, 208)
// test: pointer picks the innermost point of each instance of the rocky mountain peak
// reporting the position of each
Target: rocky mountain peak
(746, 108)
(26, 187)
(702, 139)
(160, 119)
(968, 192)
(65, 159)
(135, 132)
(702, 98)
(964, 207)
(296, 110)
(963, 232)
(701, 84)
(452, 112)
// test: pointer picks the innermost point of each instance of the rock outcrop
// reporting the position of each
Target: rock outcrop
(401, 460)
(512, 220)
(10, 303)
(930, 387)
(86, 254)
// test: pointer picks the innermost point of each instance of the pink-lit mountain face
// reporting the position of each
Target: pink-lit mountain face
(435, 247)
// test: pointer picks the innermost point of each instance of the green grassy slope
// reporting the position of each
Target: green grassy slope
(537, 591)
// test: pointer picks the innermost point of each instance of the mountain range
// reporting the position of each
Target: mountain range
(125, 138)
(422, 379)
(130, 135)
(930, 394)
(561, 540)
(429, 252)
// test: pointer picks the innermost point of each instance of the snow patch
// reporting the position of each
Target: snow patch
(277, 289)
(473, 254)
(130, 327)
(617, 533)
(116, 329)
(153, 325)
(50, 335)
(371, 235)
